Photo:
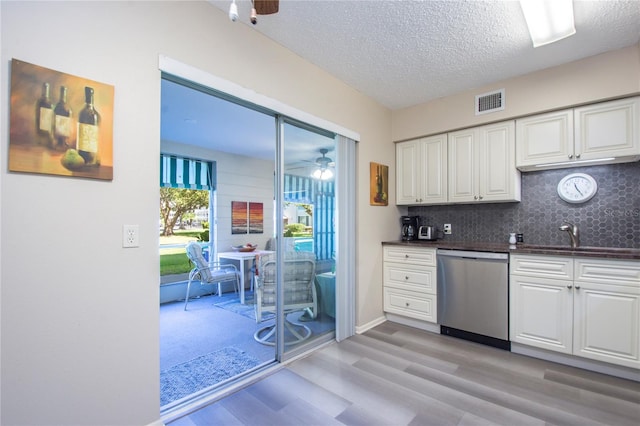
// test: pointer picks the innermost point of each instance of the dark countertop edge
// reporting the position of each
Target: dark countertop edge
(602, 252)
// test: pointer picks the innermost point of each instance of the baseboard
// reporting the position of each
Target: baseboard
(422, 325)
(573, 361)
(158, 422)
(368, 326)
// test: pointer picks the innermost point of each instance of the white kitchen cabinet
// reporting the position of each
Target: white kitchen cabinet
(544, 138)
(540, 302)
(584, 307)
(607, 132)
(482, 164)
(421, 171)
(409, 282)
(606, 311)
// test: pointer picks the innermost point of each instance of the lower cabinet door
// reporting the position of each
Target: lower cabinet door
(410, 304)
(607, 323)
(541, 313)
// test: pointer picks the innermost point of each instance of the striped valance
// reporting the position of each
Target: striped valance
(298, 189)
(179, 172)
(321, 194)
(304, 190)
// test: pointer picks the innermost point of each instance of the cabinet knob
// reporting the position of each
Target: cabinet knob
(475, 197)
(569, 286)
(406, 278)
(406, 256)
(577, 155)
(577, 287)
(570, 156)
(480, 197)
(407, 304)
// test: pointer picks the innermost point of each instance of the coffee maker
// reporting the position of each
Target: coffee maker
(409, 227)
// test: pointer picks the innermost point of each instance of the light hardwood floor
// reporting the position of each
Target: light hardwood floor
(397, 375)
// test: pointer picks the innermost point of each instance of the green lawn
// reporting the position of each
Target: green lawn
(174, 263)
(174, 260)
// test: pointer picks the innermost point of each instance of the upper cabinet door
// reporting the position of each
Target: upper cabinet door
(433, 183)
(609, 129)
(463, 166)
(407, 170)
(499, 180)
(544, 138)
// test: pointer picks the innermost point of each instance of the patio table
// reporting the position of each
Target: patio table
(241, 258)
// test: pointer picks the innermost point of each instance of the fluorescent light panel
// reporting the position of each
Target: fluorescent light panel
(548, 20)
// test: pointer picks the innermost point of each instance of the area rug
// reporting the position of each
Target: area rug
(202, 372)
(246, 310)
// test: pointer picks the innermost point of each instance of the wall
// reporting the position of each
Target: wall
(79, 314)
(609, 75)
(610, 219)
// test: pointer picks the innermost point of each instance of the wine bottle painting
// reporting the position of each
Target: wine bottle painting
(60, 124)
(379, 184)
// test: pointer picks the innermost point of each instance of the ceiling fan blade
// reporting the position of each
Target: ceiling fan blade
(266, 7)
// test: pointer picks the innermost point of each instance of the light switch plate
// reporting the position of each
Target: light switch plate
(130, 236)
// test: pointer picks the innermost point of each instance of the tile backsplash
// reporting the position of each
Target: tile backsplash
(610, 219)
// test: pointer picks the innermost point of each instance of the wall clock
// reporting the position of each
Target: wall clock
(577, 188)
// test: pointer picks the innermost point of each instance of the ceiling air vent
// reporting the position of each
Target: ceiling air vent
(490, 102)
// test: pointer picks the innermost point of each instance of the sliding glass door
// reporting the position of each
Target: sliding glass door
(291, 176)
(306, 205)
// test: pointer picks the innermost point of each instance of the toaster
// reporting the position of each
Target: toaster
(427, 233)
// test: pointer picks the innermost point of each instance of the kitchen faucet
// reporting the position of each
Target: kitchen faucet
(573, 233)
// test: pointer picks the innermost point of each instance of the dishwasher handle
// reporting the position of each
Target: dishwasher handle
(466, 254)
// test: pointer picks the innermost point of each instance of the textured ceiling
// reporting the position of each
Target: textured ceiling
(400, 53)
(403, 53)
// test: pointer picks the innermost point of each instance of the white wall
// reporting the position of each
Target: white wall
(79, 313)
(601, 77)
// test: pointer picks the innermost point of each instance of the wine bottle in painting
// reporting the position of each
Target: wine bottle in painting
(44, 117)
(61, 122)
(88, 130)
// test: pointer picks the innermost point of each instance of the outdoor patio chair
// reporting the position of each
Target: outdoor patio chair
(209, 272)
(298, 277)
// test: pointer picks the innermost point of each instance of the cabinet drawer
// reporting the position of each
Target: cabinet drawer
(410, 277)
(409, 304)
(416, 256)
(555, 267)
(618, 272)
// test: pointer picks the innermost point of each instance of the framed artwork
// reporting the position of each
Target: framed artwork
(239, 217)
(378, 184)
(59, 124)
(255, 218)
(246, 218)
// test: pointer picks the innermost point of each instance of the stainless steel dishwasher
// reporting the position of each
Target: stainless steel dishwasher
(473, 296)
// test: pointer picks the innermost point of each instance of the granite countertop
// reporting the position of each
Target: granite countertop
(603, 252)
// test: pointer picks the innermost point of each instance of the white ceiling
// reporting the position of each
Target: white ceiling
(403, 53)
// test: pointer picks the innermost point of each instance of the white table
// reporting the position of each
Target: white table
(241, 258)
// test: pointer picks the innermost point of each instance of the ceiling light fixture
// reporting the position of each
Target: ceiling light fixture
(323, 172)
(548, 20)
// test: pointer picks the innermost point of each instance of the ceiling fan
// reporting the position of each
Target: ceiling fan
(266, 7)
(324, 163)
(258, 7)
(320, 167)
